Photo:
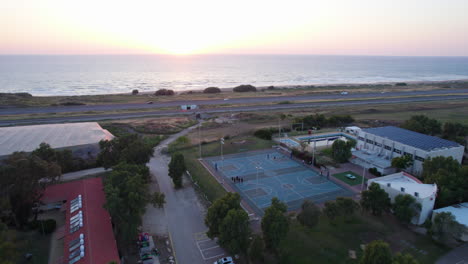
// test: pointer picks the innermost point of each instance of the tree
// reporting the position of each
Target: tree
(423, 124)
(256, 249)
(456, 132)
(264, 133)
(218, 210)
(309, 215)
(23, 178)
(341, 150)
(402, 162)
(445, 228)
(375, 199)
(346, 207)
(127, 194)
(128, 148)
(404, 259)
(275, 224)
(158, 199)
(405, 207)
(235, 231)
(450, 177)
(164, 92)
(331, 210)
(134, 92)
(377, 252)
(177, 169)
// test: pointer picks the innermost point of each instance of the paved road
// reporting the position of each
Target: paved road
(82, 174)
(85, 118)
(458, 255)
(184, 214)
(249, 100)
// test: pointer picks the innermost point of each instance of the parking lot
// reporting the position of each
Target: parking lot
(209, 249)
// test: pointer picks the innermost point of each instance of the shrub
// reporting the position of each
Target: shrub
(212, 90)
(135, 92)
(375, 172)
(47, 226)
(271, 87)
(164, 92)
(245, 88)
(264, 133)
(400, 84)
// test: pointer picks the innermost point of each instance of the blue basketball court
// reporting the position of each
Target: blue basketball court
(269, 173)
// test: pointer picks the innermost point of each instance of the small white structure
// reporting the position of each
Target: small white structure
(188, 107)
(353, 130)
(404, 183)
(386, 143)
(460, 212)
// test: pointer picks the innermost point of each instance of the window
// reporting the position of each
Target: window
(397, 151)
(361, 138)
(369, 141)
(418, 158)
(411, 155)
(377, 144)
(388, 147)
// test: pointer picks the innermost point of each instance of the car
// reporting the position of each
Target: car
(225, 99)
(226, 260)
(344, 93)
(350, 176)
(150, 102)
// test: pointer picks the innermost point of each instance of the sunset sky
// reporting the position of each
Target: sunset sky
(342, 27)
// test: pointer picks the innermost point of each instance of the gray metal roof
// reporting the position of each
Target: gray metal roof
(411, 138)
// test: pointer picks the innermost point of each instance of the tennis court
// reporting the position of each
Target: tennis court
(268, 173)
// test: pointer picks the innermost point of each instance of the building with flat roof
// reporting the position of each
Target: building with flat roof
(460, 212)
(81, 138)
(404, 183)
(87, 236)
(376, 147)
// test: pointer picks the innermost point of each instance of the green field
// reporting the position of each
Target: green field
(342, 177)
(330, 242)
(36, 244)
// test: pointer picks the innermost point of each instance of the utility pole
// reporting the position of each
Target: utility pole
(222, 157)
(363, 177)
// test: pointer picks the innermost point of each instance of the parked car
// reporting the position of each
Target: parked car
(226, 260)
(344, 93)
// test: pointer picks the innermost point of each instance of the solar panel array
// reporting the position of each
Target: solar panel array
(411, 138)
(76, 247)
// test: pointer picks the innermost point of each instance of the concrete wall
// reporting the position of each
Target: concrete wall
(427, 203)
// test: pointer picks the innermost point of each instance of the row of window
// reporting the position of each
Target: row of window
(390, 148)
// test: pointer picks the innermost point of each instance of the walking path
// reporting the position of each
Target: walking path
(183, 215)
(458, 255)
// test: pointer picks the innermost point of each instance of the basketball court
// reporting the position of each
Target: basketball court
(261, 175)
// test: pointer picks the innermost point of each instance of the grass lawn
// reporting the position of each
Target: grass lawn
(208, 184)
(329, 243)
(342, 177)
(36, 244)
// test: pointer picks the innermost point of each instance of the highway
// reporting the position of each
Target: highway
(250, 100)
(100, 117)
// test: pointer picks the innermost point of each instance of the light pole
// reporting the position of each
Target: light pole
(199, 139)
(258, 168)
(222, 157)
(363, 176)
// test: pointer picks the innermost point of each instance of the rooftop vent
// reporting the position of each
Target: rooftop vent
(416, 194)
(402, 189)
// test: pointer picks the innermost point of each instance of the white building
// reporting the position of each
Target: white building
(460, 212)
(376, 147)
(404, 183)
(81, 138)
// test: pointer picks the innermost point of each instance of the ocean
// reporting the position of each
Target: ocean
(103, 74)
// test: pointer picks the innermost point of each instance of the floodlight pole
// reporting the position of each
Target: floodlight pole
(222, 157)
(363, 177)
(199, 140)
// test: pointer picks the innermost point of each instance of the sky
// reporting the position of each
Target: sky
(326, 27)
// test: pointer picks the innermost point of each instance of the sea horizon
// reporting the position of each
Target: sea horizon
(89, 74)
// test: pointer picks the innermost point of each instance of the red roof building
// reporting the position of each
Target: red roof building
(87, 235)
